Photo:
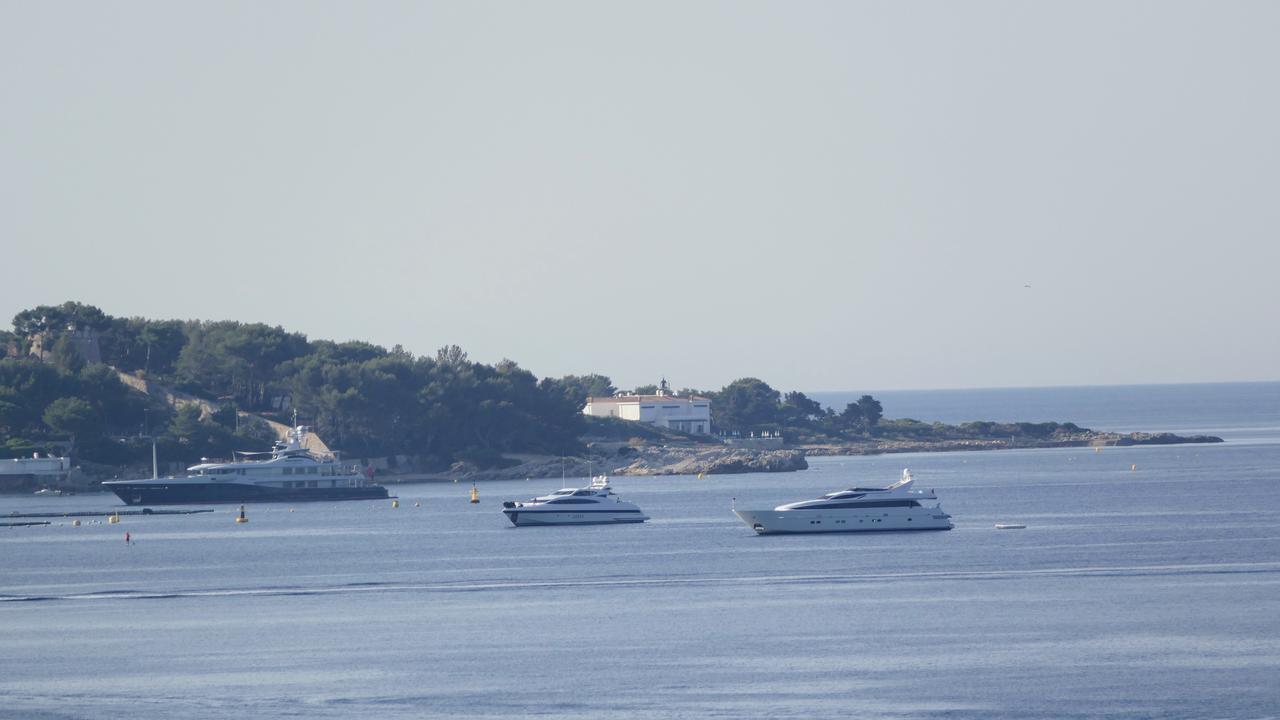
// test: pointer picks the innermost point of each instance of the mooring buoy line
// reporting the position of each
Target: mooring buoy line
(107, 513)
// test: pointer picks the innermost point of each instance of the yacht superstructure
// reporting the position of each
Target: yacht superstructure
(857, 509)
(287, 473)
(594, 504)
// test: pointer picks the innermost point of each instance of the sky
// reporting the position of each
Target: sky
(825, 195)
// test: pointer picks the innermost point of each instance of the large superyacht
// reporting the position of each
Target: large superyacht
(286, 473)
(857, 509)
(594, 504)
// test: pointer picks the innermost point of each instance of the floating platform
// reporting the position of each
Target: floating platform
(1010, 526)
(107, 513)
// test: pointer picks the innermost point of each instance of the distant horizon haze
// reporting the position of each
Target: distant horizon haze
(823, 195)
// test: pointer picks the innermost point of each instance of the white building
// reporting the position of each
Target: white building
(689, 414)
(44, 467)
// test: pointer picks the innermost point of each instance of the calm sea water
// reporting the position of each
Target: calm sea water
(1141, 593)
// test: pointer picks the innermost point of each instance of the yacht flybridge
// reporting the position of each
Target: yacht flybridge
(857, 509)
(594, 504)
(286, 473)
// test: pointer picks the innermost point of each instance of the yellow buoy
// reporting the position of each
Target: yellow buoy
(475, 494)
(241, 518)
(395, 504)
(75, 523)
(114, 519)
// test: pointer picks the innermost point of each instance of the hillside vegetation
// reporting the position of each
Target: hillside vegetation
(362, 399)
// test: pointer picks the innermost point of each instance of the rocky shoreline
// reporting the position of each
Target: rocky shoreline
(650, 459)
(1091, 439)
(638, 461)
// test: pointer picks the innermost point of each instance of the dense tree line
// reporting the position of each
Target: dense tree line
(750, 405)
(362, 399)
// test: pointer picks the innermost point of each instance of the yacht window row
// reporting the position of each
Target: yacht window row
(863, 504)
(271, 471)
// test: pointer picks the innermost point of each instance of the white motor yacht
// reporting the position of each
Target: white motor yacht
(287, 473)
(592, 505)
(858, 509)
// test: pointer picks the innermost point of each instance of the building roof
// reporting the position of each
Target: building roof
(648, 398)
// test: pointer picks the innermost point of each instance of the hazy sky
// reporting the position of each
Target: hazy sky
(824, 195)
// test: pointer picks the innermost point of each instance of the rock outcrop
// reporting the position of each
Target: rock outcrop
(712, 461)
(643, 460)
(1088, 438)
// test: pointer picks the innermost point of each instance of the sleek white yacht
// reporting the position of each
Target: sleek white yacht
(857, 509)
(287, 473)
(594, 504)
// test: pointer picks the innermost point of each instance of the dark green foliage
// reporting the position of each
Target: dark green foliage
(225, 416)
(871, 410)
(361, 398)
(192, 437)
(451, 356)
(163, 341)
(71, 416)
(36, 401)
(577, 388)
(441, 407)
(862, 415)
(19, 447)
(140, 344)
(10, 414)
(798, 408)
(237, 360)
(744, 405)
(65, 355)
(646, 390)
(59, 317)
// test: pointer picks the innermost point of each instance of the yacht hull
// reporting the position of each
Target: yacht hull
(790, 522)
(151, 493)
(522, 517)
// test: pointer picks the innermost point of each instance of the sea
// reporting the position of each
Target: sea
(1146, 584)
